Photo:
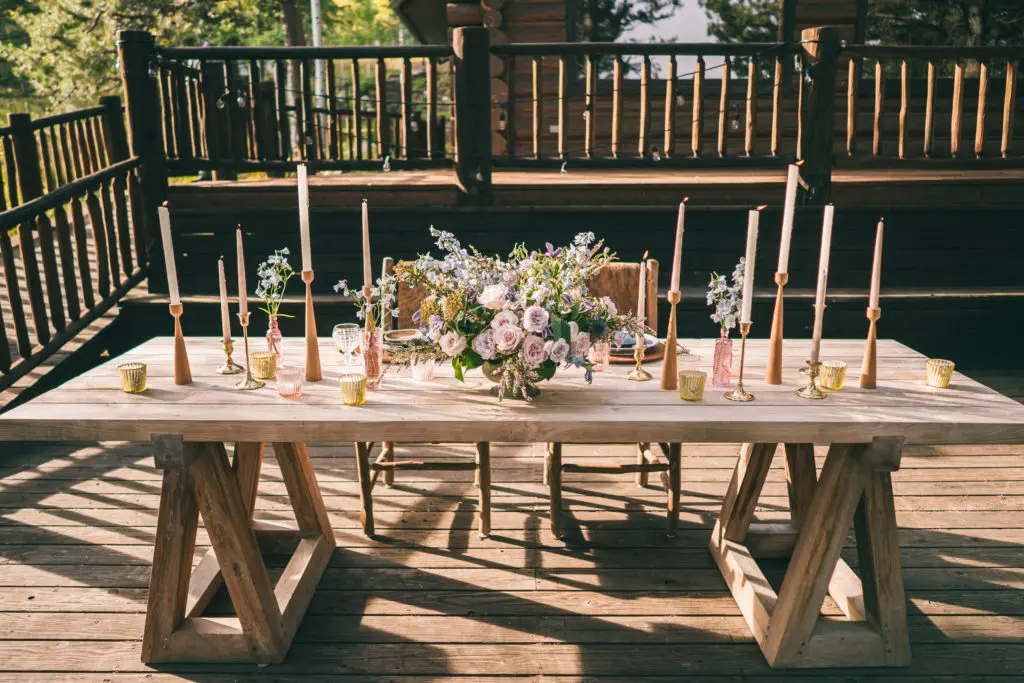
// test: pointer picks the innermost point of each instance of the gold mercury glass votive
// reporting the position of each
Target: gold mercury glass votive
(133, 377)
(691, 384)
(688, 361)
(831, 374)
(353, 389)
(289, 381)
(264, 364)
(938, 372)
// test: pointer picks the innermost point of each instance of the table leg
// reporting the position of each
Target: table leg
(675, 486)
(483, 471)
(801, 479)
(365, 487)
(554, 470)
(854, 483)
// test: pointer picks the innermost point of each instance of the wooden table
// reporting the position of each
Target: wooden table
(865, 429)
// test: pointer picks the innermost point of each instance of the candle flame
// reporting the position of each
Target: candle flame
(800, 163)
(881, 219)
(761, 208)
(644, 257)
(164, 203)
(685, 199)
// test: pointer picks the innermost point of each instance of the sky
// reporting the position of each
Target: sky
(688, 24)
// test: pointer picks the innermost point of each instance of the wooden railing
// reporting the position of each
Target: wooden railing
(230, 109)
(70, 254)
(576, 96)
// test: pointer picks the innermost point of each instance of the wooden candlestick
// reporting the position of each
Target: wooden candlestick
(670, 366)
(773, 373)
(869, 368)
(182, 372)
(314, 373)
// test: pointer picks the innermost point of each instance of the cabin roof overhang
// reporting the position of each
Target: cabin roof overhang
(427, 20)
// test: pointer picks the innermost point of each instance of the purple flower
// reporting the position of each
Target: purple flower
(589, 376)
(484, 344)
(416, 318)
(534, 352)
(535, 319)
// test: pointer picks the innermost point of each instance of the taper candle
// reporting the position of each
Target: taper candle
(243, 300)
(172, 272)
(876, 267)
(819, 295)
(753, 219)
(225, 316)
(303, 183)
(677, 255)
(788, 214)
(367, 271)
(641, 297)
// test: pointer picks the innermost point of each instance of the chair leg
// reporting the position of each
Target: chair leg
(365, 487)
(641, 459)
(554, 472)
(388, 453)
(483, 473)
(547, 464)
(674, 487)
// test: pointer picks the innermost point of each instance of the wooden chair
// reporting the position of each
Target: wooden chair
(621, 282)
(409, 300)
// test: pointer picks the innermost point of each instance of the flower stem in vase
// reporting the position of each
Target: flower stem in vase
(274, 338)
(373, 355)
(721, 374)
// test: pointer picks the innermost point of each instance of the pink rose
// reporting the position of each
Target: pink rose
(483, 344)
(493, 297)
(558, 350)
(533, 350)
(504, 319)
(452, 343)
(507, 338)
(582, 345)
(535, 319)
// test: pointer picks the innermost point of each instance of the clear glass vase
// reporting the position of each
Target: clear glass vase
(274, 338)
(372, 348)
(721, 371)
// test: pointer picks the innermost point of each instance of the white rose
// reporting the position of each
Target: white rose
(574, 329)
(533, 349)
(452, 343)
(610, 305)
(582, 345)
(558, 350)
(483, 344)
(504, 319)
(507, 338)
(493, 297)
(535, 319)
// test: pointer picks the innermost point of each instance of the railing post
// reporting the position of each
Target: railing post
(471, 46)
(135, 52)
(114, 132)
(821, 45)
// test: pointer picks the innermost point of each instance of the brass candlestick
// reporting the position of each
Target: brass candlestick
(669, 367)
(811, 391)
(230, 367)
(182, 372)
(313, 371)
(773, 372)
(869, 368)
(638, 374)
(739, 393)
(249, 382)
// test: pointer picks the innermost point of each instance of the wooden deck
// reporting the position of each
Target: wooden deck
(429, 600)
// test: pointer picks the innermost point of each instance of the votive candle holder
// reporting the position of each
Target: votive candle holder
(832, 374)
(353, 389)
(691, 385)
(133, 377)
(938, 372)
(289, 381)
(688, 361)
(264, 364)
(423, 371)
(600, 355)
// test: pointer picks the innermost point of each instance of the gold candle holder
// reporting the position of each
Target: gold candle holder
(230, 367)
(264, 364)
(773, 371)
(133, 377)
(691, 384)
(811, 390)
(353, 389)
(938, 372)
(248, 383)
(832, 374)
(182, 372)
(314, 373)
(869, 368)
(669, 367)
(739, 393)
(638, 374)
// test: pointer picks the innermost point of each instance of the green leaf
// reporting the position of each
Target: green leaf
(457, 366)
(547, 369)
(471, 359)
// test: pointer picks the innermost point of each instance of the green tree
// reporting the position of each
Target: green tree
(742, 21)
(947, 22)
(606, 20)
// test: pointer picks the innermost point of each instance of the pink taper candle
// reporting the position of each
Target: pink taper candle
(225, 316)
(641, 297)
(303, 185)
(243, 300)
(876, 268)
(367, 271)
(677, 255)
(819, 295)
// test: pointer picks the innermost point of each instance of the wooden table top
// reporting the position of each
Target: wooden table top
(611, 410)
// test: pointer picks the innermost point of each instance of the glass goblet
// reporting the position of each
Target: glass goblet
(347, 337)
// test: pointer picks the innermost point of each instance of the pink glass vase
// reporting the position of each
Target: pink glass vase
(721, 369)
(372, 348)
(274, 338)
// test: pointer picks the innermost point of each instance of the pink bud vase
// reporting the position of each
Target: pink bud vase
(274, 338)
(373, 356)
(721, 369)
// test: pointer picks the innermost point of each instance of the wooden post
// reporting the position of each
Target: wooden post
(471, 46)
(135, 49)
(821, 46)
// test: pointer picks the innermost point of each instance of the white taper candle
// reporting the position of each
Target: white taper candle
(367, 270)
(641, 297)
(243, 300)
(172, 272)
(677, 255)
(876, 267)
(225, 316)
(303, 183)
(819, 294)
(753, 220)
(788, 213)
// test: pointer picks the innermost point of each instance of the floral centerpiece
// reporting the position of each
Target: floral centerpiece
(274, 274)
(520, 317)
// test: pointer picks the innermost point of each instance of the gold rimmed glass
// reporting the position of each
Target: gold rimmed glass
(691, 384)
(353, 389)
(264, 364)
(133, 377)
(832, 374)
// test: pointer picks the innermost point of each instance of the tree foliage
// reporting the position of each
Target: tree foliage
(947, 22)
(742, 21)
(607, 20)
